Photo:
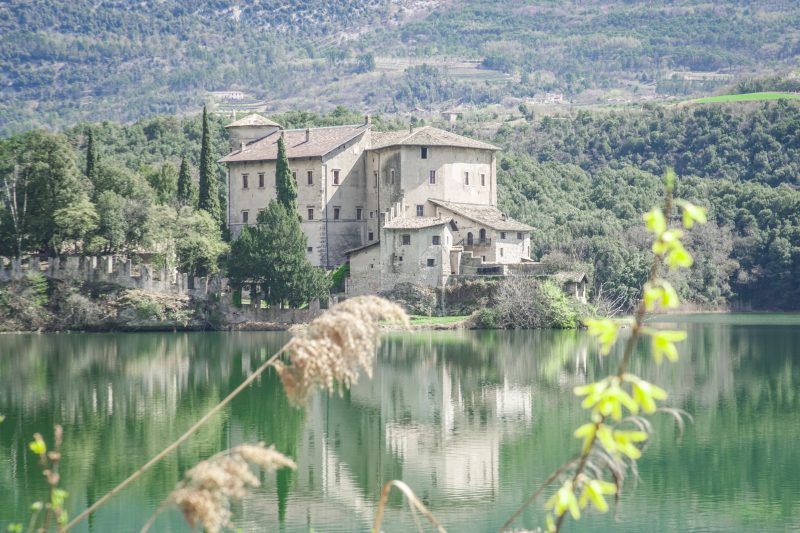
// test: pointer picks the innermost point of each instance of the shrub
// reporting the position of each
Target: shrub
(527, 303)
(416, 299)
(487, 318)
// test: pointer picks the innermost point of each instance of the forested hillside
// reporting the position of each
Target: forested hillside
(584, 182)
(63, 61)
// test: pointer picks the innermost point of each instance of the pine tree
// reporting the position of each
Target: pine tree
(187, 194)
(273, 255)
(209, 186)
(91, 158)
(287, 188)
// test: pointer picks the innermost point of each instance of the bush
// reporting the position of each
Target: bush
(528, 303)
(416, 299)
(487, 318)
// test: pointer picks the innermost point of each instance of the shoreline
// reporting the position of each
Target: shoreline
(418, 323)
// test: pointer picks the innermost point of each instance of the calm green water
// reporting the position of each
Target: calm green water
(472, 421)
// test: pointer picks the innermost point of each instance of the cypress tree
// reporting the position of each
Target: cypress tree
(187, 195)
(209, 187)
(91, 157)
(287, 188)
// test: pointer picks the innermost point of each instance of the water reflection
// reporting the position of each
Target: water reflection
(471, 420)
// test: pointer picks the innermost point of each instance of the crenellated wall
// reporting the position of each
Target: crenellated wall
(111, 269)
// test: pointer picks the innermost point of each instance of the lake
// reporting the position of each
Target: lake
(471, 420)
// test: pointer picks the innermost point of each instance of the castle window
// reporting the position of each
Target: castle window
(245, 217)
(432, 178)
(260, 180)
(483, 180)
(336, 211)
(371, 214)
(294, 175)
(310, 176)
(310, 249)
(376, 178)
(423, 152)
(310, 214)
(336, 177)
(431, 262)
(501, 252)
(466, 178)
(436, 240)
(371, 236)
(420, 210)
(406, 240)
(519, 235)
(400, 258)
(391, 173)
(502, 234)
(358, 213)
(244, 180)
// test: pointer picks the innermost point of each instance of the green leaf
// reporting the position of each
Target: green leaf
(660, 293)
(586, 432)
(550, 524)
(655, 222)
(2, 418)
(678, 257)
(15, 528)
(57, 497)
(593, 490)
(36, 507)
(605, 330)
(663, 344)
(645, 393)
(692, 213)
(38, 447)
(564, 500)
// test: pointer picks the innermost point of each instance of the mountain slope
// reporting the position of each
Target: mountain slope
(62, 61)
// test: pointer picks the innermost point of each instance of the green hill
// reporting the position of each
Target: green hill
(747, 97)
(64, 61)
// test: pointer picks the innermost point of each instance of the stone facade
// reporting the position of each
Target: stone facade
(111, 269)
(401, 190)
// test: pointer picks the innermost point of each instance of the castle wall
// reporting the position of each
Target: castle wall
(365, 272)
(115, 270)
(413, 268)
(450, 164)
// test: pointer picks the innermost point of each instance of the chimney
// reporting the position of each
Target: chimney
(367, 120)
(308, 134)
(410, 128)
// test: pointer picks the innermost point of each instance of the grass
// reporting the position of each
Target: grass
(419, 320)
(747, 97)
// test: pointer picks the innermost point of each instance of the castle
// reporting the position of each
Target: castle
(418, 205)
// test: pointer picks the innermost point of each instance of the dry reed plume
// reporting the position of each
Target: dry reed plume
(205, 494)
(332, 349)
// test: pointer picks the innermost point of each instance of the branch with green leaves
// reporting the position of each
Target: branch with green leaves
(616, 433)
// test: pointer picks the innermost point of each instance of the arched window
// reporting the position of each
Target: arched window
(483, 235)
(469, 238)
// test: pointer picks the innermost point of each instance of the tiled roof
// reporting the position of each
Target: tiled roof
(362, 248)
(488, 215)
(253, 120)
(569, 277)
(320, 142)
(426, 136)
(415, 222)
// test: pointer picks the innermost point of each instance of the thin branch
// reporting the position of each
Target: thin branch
(183, 438)
(412, 498)
(536, 494)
